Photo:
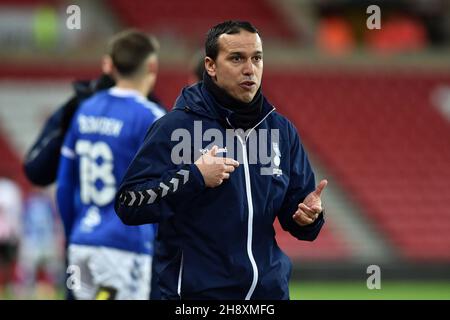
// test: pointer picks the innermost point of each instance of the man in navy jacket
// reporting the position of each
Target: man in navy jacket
(215, 173)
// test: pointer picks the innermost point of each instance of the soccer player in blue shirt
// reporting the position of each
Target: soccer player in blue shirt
(110, 259)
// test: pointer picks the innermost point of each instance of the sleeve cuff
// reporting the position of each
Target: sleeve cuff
(197, 176)
(310, 231)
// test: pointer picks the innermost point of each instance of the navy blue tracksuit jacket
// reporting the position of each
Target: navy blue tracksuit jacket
(218, 243)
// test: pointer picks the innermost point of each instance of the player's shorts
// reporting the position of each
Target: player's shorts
(108, 274)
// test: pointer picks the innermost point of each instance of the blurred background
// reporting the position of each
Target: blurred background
(372, 108)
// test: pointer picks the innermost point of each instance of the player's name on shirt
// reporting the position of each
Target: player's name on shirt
(100, 125)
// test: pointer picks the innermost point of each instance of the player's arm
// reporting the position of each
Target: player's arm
(41, 161)
(154, 186)
(301, 184)
(67, 180)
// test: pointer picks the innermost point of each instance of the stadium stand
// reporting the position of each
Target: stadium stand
(380, 135)
(263, 14)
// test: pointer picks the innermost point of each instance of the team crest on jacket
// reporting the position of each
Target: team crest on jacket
(276, 171)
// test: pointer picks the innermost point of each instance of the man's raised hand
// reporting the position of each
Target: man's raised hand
(308, 211)
(215, 169)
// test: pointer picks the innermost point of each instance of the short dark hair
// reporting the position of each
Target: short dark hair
(129, 49)
(198, 65)
(227, 27)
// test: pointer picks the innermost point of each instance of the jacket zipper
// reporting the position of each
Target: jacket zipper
(250, 219)
(250, 207)
(180, 275)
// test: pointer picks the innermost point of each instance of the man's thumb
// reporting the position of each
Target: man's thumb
(213, 151)
(321, 186)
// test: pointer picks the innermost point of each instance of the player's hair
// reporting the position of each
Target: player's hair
(198, 65)
(129, 49)
(227, 27)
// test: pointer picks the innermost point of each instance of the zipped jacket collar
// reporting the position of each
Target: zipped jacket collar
(198, 100)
